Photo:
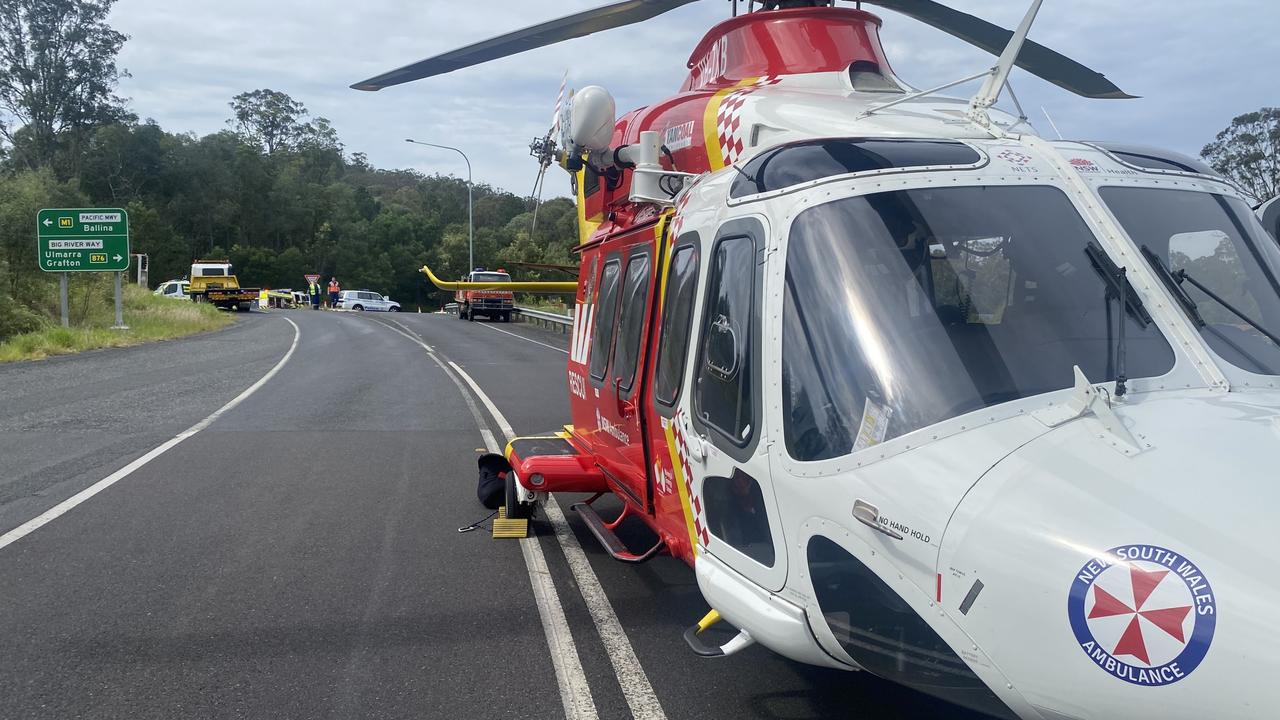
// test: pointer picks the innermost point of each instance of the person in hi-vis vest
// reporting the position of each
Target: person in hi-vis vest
(315, 295)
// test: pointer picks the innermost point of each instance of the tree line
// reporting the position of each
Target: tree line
(276, 192)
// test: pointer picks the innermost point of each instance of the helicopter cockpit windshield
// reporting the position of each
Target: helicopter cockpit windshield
(906, 308)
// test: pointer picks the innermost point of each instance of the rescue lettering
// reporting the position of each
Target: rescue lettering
(577, 385)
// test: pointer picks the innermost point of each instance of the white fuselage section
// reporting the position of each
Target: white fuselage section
(1102, 558)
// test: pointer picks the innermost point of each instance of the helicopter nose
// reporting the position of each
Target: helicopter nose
(1127, 573)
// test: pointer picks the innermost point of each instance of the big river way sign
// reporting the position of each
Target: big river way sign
(83, 239)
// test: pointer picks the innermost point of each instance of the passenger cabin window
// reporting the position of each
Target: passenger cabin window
(677, 315)
(802, 162)
(606, 311)
(635, 306)
(724, 391)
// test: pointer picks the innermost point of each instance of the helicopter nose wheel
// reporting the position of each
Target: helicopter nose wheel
(516, 508)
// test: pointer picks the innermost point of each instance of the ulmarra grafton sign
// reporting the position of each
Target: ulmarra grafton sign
(83, 239)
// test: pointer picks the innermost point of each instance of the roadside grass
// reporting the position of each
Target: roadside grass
(93, 313)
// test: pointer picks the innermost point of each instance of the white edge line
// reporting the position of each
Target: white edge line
(635, 685)
(575, 692)
(65, 506)
(526, 339)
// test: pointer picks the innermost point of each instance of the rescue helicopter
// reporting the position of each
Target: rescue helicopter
(913, 389)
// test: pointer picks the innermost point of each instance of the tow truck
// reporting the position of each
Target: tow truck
(492, 303)
(212, 281)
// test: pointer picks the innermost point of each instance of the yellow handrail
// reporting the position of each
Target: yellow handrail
(547, 287)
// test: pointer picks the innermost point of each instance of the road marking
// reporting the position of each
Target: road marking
(575, 692)
(65, 506)
(407, 333)
(636, 688)
(526, 339)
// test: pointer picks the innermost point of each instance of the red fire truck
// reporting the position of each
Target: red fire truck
(493, 304)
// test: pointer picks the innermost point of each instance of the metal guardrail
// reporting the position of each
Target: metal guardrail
(552, 321)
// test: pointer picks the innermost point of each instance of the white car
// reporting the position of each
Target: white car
(175, 289)
(361, 300)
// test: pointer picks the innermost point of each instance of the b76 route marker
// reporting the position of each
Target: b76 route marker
(83, 239)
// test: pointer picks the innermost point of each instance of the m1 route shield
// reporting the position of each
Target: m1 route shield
(83, 239)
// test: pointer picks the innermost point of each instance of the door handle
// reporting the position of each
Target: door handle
(869, 515)
(693, 441)
(626, 408)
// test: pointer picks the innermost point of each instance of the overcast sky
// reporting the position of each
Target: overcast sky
(1196, 65)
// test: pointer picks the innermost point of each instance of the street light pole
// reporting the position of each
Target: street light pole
(471, 237)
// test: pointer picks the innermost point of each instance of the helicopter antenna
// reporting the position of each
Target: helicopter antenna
(999, 76)
(1052, 124)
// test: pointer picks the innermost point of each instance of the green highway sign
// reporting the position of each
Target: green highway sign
(83, 239)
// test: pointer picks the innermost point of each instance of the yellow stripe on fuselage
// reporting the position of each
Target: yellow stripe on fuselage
(710, 134)
(586, 226)
(678, 470)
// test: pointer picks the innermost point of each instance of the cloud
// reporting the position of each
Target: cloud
(1195, 70)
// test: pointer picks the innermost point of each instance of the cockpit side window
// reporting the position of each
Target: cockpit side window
(677, 315)
(724, 392)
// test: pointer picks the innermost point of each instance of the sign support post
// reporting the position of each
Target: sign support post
(119, 305)
(62, 298)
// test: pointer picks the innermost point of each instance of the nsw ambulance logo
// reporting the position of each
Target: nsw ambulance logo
(1143, 614)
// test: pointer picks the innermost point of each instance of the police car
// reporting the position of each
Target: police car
(361, 300)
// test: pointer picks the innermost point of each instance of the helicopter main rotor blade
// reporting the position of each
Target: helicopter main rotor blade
(1034, 57)
(577, 25)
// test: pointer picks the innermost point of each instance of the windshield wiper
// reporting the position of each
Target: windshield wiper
(1174, 286)
(1174, 280)
(1118, 287)
(1182, 275)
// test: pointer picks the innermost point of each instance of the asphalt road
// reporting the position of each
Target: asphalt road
(299, 556)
